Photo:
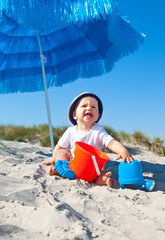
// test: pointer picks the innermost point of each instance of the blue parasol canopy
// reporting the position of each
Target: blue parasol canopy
(68, 53)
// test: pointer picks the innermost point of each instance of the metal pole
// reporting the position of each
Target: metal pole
(46, 92)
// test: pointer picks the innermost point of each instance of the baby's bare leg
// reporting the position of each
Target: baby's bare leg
(62, 154)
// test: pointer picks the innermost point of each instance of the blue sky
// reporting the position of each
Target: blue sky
(133, 94)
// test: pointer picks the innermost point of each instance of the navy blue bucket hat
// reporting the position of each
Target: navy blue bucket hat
(76, 99)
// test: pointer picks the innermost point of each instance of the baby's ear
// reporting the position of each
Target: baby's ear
(74, 115)
(98, 116)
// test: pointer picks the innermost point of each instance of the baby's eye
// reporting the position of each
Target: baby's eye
(93, 107)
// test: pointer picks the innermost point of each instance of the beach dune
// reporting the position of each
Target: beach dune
(34, 205)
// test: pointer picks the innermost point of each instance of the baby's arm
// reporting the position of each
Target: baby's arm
(122, 152)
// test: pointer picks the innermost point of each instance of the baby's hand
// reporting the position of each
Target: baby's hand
(52, 162)
(125, 156)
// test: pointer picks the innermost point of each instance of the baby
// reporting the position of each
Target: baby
(84, 113)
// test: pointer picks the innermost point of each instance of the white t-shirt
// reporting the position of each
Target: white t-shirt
(96, 137)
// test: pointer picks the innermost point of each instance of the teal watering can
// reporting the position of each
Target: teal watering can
(131, 173)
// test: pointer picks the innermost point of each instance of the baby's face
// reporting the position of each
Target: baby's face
(86, 111)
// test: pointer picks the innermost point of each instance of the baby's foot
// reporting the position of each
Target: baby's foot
(107, 180)
(52, 171)
(110, 182)
(104, 179)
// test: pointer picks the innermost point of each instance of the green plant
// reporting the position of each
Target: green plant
(44, 137)
(41, 134)
(43, 129)
(59, 131)
(140, 138)
(124, 137)
(112, 132)
(157, 147)
(17, 133)
(44, 140)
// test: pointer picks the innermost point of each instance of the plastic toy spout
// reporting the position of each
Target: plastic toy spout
(149, 185)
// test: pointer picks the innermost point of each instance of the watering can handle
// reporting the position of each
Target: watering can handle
(96, 165)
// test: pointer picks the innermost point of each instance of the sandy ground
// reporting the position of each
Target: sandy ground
(34, 205)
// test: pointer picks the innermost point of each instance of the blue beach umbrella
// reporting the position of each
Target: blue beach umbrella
(60, 41)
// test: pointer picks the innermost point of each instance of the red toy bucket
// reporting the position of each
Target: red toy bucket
(87, 161)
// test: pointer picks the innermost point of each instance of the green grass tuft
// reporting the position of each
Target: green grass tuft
(112, 132)
(40, 134)
(140, 138)
(157, 147)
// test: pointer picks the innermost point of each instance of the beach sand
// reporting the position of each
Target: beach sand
(34, 205)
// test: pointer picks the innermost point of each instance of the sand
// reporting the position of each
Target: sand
(34, 205)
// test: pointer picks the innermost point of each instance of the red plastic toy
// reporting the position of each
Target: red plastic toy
(87, 161)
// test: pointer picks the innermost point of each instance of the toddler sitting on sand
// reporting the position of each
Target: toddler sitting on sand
(84, 113)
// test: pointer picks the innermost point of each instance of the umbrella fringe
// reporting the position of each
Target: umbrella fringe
(61, 12)
(123, 34)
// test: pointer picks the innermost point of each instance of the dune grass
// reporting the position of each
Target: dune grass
(36, 134)
(40, 135)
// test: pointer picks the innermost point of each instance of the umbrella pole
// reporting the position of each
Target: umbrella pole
(46, 92)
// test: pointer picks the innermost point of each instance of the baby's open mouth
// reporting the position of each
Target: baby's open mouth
(88, 115)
